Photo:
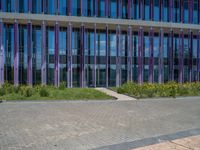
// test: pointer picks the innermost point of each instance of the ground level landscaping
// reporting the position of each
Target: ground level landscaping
(170, 89)
(38, 92)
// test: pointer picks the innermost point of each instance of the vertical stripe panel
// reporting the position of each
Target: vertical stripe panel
(56, 56)
(151, 59)
(181, 46)
(30, 48)
(160, 57)
(95, 57)
(107, 55)
(1, 54)
(16, 54)
(43, 69)
(69, 56)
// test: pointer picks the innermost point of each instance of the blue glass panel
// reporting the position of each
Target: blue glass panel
(135, 9)
(166, 11)
(147, 10)
(8, 5)
(88, 7)
(76, 9)
(156, 10)
(186, 12)
(195, 12)
(113, 9)
(51, 9)
(63, 7)
(176, 15)
(23, 6)
(37, 6)
(101, 9)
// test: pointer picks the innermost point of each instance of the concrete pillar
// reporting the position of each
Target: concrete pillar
(129, 9)
(180, 54)
(151, 54)
(106, 8)
(182, 11)
(190, 43)
(171, 55)
(44, 65)
(118, 59)
(56, 57)
(107, 53)
(82, 57)
(69, 56)
(130, 54)
(30, 50)
(95, 57)
(140, 54)
(16, 54)
(141, 9)
(160, 57)
(171, 10)
(1, 54)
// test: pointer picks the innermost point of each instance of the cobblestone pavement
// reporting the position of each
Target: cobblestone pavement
(80, 125)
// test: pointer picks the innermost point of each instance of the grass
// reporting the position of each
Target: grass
(9, 92)
(170, 89)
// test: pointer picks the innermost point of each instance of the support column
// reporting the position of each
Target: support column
(82, 57)
(161, 5)
(57, 7)
(129, 9)
(69, 56)
(43, 69)
(191, 4)
(151, 10)
(198, 56)
(160, 57)
(29, 6)
(56, 57)
(190, 43)
(1, 54)
(182, 11)
(140, 55)
(95, 57)
(107, 55)
(30, 50)
(181, 60)
(171, 10)
(43, 6)
(171, 56)
(141, 7)
(106, 8)
(16, 54)
(118, 59)
(69, 7)
(129, 58)
(151, 54)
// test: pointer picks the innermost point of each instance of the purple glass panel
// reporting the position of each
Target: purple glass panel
(129, 59)
(151, 59)
(160, 56)
(69, 7)
(171, 10)
(151, 10)
(182, 11)
(129, 9)
(1, 54)
(43, 69)
(56, 56)
(161, 10)
(69, 55)
(16, 54)
(29, 45)
(181, 46)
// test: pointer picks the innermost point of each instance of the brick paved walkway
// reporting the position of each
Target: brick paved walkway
(108, 125)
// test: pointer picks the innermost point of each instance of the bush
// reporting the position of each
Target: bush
(2, 92)
(44, 92)
(170, 89)
(62, 85)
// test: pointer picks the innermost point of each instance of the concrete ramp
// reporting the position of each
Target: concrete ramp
(119, 97)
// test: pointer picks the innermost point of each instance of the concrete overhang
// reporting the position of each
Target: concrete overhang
(37, 19)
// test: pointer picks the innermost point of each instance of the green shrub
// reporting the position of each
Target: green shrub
(44, 92)
(2, 92)
(28, 91)
(62, 85)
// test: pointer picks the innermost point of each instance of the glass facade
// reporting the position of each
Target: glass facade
(100, 55)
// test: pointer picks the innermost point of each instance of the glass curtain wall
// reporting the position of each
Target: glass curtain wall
(156, 55)
(76, 42)
(186, 11)
(123, 55)
(166, 10)
(156, 10)
(113, 9)
(194, 59)
(50, 55)
(23, 54)
(176, 53)
(186, 59)
(124, 9)
(76, 8)
(23, 7)
(146, 58)
(112, 58)
(88, 8)
(8, 5)
(9, 53)
(165, 57)
(63, 54)
(37, 6)
(63, 7)
(135, 57)
(101, 58)
(146, 10)
(195, 12)
(101, 8)
(135, 9)
(37, 54)
(176, 15)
